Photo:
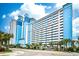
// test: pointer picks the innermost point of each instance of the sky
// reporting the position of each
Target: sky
(9, 11)
(5, 9)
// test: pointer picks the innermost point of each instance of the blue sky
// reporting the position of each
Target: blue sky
(5, 9)
(8, 11)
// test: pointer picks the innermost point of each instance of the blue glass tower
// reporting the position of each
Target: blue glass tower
(23, 28)
(67, 17)
(18, 30)
(27, 31)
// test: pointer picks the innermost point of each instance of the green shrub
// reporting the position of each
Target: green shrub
(8, 50)
(56, 49)
(77, 49)
(18, 46)
(27, 46)
(43, 48)
(12, 46)
(70, 49)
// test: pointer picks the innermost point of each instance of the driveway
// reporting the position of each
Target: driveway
(29, 52)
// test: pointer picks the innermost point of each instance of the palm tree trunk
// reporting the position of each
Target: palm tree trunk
(7, 44)
(66, 46)
(0, 44)
(78, 44)
(60, 47)
(57, 47)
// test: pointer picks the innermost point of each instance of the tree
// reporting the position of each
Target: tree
(27, 46)
(7, 39)
(57, 44)
(32, 46)
(1, 38)
(78, 42)
(4, 39)
(60, 43)
(73, 41)
(66, 41)
(51, 44)
(40, 45)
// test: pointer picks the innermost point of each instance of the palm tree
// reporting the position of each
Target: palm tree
(7, 39)
(50, 43)
(40, 45)
(78, 42)
(66, 41)
(57, 44)
(60, 43)
(32, 46)
(1, 37)
(73, 41)
(27, 46)
(10, 36)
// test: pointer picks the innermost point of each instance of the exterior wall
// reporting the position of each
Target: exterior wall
(18, 32)
(21, 30)
(48, 28)
(25, 32)
(53, 27)
(27, 26)
(67, 10)
(13, 31)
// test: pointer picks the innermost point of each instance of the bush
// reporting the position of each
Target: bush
(37, 47)
(77, 49)
(56, 49)
(8, 50)
(43, 48)
(12, 46)
(2, 49)
(18, 46)
(70, 49)
(27, 46)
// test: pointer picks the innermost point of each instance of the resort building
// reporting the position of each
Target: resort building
(13, 31)
(53, 27)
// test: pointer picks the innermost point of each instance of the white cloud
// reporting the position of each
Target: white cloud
(38, 11)
(35, 11)
(15, 14)
(75, 9)
(76, 21)
(75, 25)
(59, 5)
(3, 16)
(75, 4)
